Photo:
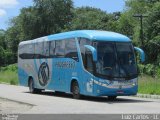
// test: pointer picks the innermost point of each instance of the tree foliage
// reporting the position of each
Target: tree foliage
(43, 18)
(89, 18)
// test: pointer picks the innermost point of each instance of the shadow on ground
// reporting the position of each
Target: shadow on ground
(93, 99)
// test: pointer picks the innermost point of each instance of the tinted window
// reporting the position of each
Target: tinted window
(115, 60)
(127, 63)
(60, 48)
(89, 62)
(46, 49)
(71, 49)
(39, 46)
(82, 42)
(26, 51)
(52, 48)
(106, 64)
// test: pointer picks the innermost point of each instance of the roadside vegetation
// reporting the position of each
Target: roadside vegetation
(9, 74)
(149, 79)
(149, 85)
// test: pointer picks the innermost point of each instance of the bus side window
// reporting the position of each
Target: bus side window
(46, 49)
(82, 42)
(71, 49)
(26, 51)
(60, 48)
(52, 49)
(39, 50)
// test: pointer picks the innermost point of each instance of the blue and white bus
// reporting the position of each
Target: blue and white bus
(83, 62)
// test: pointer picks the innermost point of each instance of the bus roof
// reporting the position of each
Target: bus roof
(92, 35)
(97, 35)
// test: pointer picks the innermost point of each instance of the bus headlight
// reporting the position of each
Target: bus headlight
(133, 84)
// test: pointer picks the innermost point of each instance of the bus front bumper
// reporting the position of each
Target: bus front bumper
(120, 90)
(117, 92)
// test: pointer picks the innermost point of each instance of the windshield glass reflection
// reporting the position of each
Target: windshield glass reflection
(115, 59)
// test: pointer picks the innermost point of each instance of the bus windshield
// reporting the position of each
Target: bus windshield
(116, 60)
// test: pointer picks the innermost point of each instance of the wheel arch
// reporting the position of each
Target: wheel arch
(74, 79)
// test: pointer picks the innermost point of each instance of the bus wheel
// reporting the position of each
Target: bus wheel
(75, 90)
(112, 97)
(31, 87)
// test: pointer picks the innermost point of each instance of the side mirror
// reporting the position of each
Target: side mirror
(93, 51)
(142, 54)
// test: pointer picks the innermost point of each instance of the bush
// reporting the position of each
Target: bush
(158, 72)
(12, 68)
(9, 74)
(149, 69)
(141, 69)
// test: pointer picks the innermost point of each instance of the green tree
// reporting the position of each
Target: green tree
(125, 24)
(52, 15)
(153, 33)
(2, 47)
(45, 17)
(89, 18)
(2, 39)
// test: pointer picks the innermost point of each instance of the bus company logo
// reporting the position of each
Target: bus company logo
(43, 74)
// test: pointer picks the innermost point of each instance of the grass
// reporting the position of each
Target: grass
(9, 74)
(149, 85)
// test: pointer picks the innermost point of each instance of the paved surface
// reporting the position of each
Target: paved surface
(48, 102)
(8, 106)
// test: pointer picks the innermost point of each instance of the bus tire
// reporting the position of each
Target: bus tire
(31, 85)
(32, 88)
(76, 90)
(112, 97)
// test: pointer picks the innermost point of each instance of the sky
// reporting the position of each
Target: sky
(11, 8)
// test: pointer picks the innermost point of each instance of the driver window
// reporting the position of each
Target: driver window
(89, 62)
